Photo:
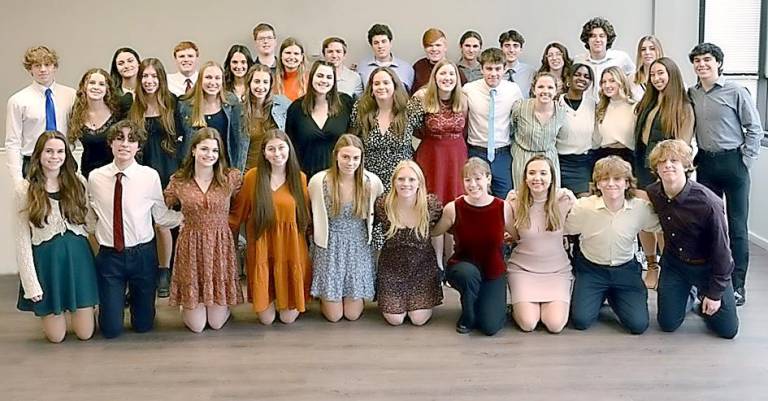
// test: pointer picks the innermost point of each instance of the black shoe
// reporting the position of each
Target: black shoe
(462, 329)
(163, 283)
(741, 296)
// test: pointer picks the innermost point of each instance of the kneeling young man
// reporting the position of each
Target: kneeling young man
(125, 197)
(607, 224)
(697, 251)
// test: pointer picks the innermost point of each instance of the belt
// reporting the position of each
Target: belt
(718, 152)
(497, 150)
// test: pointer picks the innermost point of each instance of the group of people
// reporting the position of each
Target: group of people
(318, 167)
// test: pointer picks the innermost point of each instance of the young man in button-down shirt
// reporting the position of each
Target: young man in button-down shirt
(478, 101)
(598, 36)
(728, 133)
(605, 267)
(696, 237)
(380, 39)
(511, 43)
(25, 119)
(135, 265)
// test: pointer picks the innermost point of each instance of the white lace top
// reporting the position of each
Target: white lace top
(29, 236)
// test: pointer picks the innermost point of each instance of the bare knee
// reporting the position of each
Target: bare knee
(289, 316)
(420, 317)
(395, 319)
(195, 327)
(332, 311)
(351, 314)
(554, 325)
(526, 324)
(55, 336)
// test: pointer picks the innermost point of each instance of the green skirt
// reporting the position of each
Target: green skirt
(67, 275)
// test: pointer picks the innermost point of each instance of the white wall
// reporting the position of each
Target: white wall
(86, 32)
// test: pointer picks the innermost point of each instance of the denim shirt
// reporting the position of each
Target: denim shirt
(233, 137)
(279, 112)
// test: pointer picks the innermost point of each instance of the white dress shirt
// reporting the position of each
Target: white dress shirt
(609, 238)
(613, 58)
(478, 99)
(142, 201)
(25, 120)
(177, 82)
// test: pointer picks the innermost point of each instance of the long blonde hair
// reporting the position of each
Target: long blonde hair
(362, 187)
(624, 91)
(432, 97)
(524, 200)
(641, 75)
(196, 95)
(390, 203)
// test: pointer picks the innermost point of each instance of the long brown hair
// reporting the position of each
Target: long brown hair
(263, 211)
(73, 201)
(567, 60)
(258, 118)
(332, 97)
(390, 203)
(79, 111)
(362, 187)
(367, 107)
(525, 200)
(196, 95)
(165, 104)
(220, 169)
(674, 105)
(432, 97)
(280, 71)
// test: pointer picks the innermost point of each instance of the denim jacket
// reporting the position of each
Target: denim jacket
(279, 111)
(233, 137)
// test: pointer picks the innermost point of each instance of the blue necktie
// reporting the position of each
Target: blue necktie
(50, 111)
(491, 129)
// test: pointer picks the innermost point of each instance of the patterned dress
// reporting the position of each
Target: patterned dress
(443, 149)
(383, 150)
(408, 277)
(277, 262)
(531, 137)
(345, 269)
(205, 267)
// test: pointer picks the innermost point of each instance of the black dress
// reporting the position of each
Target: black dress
(96, 150)
(314, 144)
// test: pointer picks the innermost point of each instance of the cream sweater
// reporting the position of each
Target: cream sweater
(320, 213)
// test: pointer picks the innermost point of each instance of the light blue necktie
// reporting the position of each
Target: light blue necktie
(50, 111)
(491, 128)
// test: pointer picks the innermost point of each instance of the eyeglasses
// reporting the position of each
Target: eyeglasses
(265, 38)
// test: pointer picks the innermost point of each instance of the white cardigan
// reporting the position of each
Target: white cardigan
(320, 214)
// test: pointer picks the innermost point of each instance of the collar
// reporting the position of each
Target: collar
(128, 172)
(41, 88)
(680, 197)
(463, 62)
(720, 82)
(394, 63)
(600, 204)
(608, 56)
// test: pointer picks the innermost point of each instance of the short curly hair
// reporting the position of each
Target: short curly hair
(598, 22)
(40, 55)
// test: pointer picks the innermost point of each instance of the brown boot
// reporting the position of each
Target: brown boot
(652, 275)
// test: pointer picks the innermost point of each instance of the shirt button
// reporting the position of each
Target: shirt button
(669, 218)
(673, 234)
(681, 249)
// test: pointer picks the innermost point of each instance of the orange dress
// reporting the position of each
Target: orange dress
(278, 264)
(205, 268)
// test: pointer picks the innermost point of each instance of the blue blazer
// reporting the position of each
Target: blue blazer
(233, 137)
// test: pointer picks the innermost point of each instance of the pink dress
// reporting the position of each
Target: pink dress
(539, 269)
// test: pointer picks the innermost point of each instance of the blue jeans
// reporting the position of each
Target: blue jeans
(621, 285)
(675, 282)
(483, 302)
(725, 174)
(501, 182)
(135, 267)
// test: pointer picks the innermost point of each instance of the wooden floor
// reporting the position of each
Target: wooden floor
(368, 360)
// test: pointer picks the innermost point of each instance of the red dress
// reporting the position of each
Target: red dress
(443, 150)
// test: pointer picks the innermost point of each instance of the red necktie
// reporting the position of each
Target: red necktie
(117, 215)
(189, 85)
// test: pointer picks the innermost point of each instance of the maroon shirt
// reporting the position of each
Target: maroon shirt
(421, 71)
(695, 231)
(478, 233)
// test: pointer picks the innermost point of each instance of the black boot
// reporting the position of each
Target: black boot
(163, 282)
